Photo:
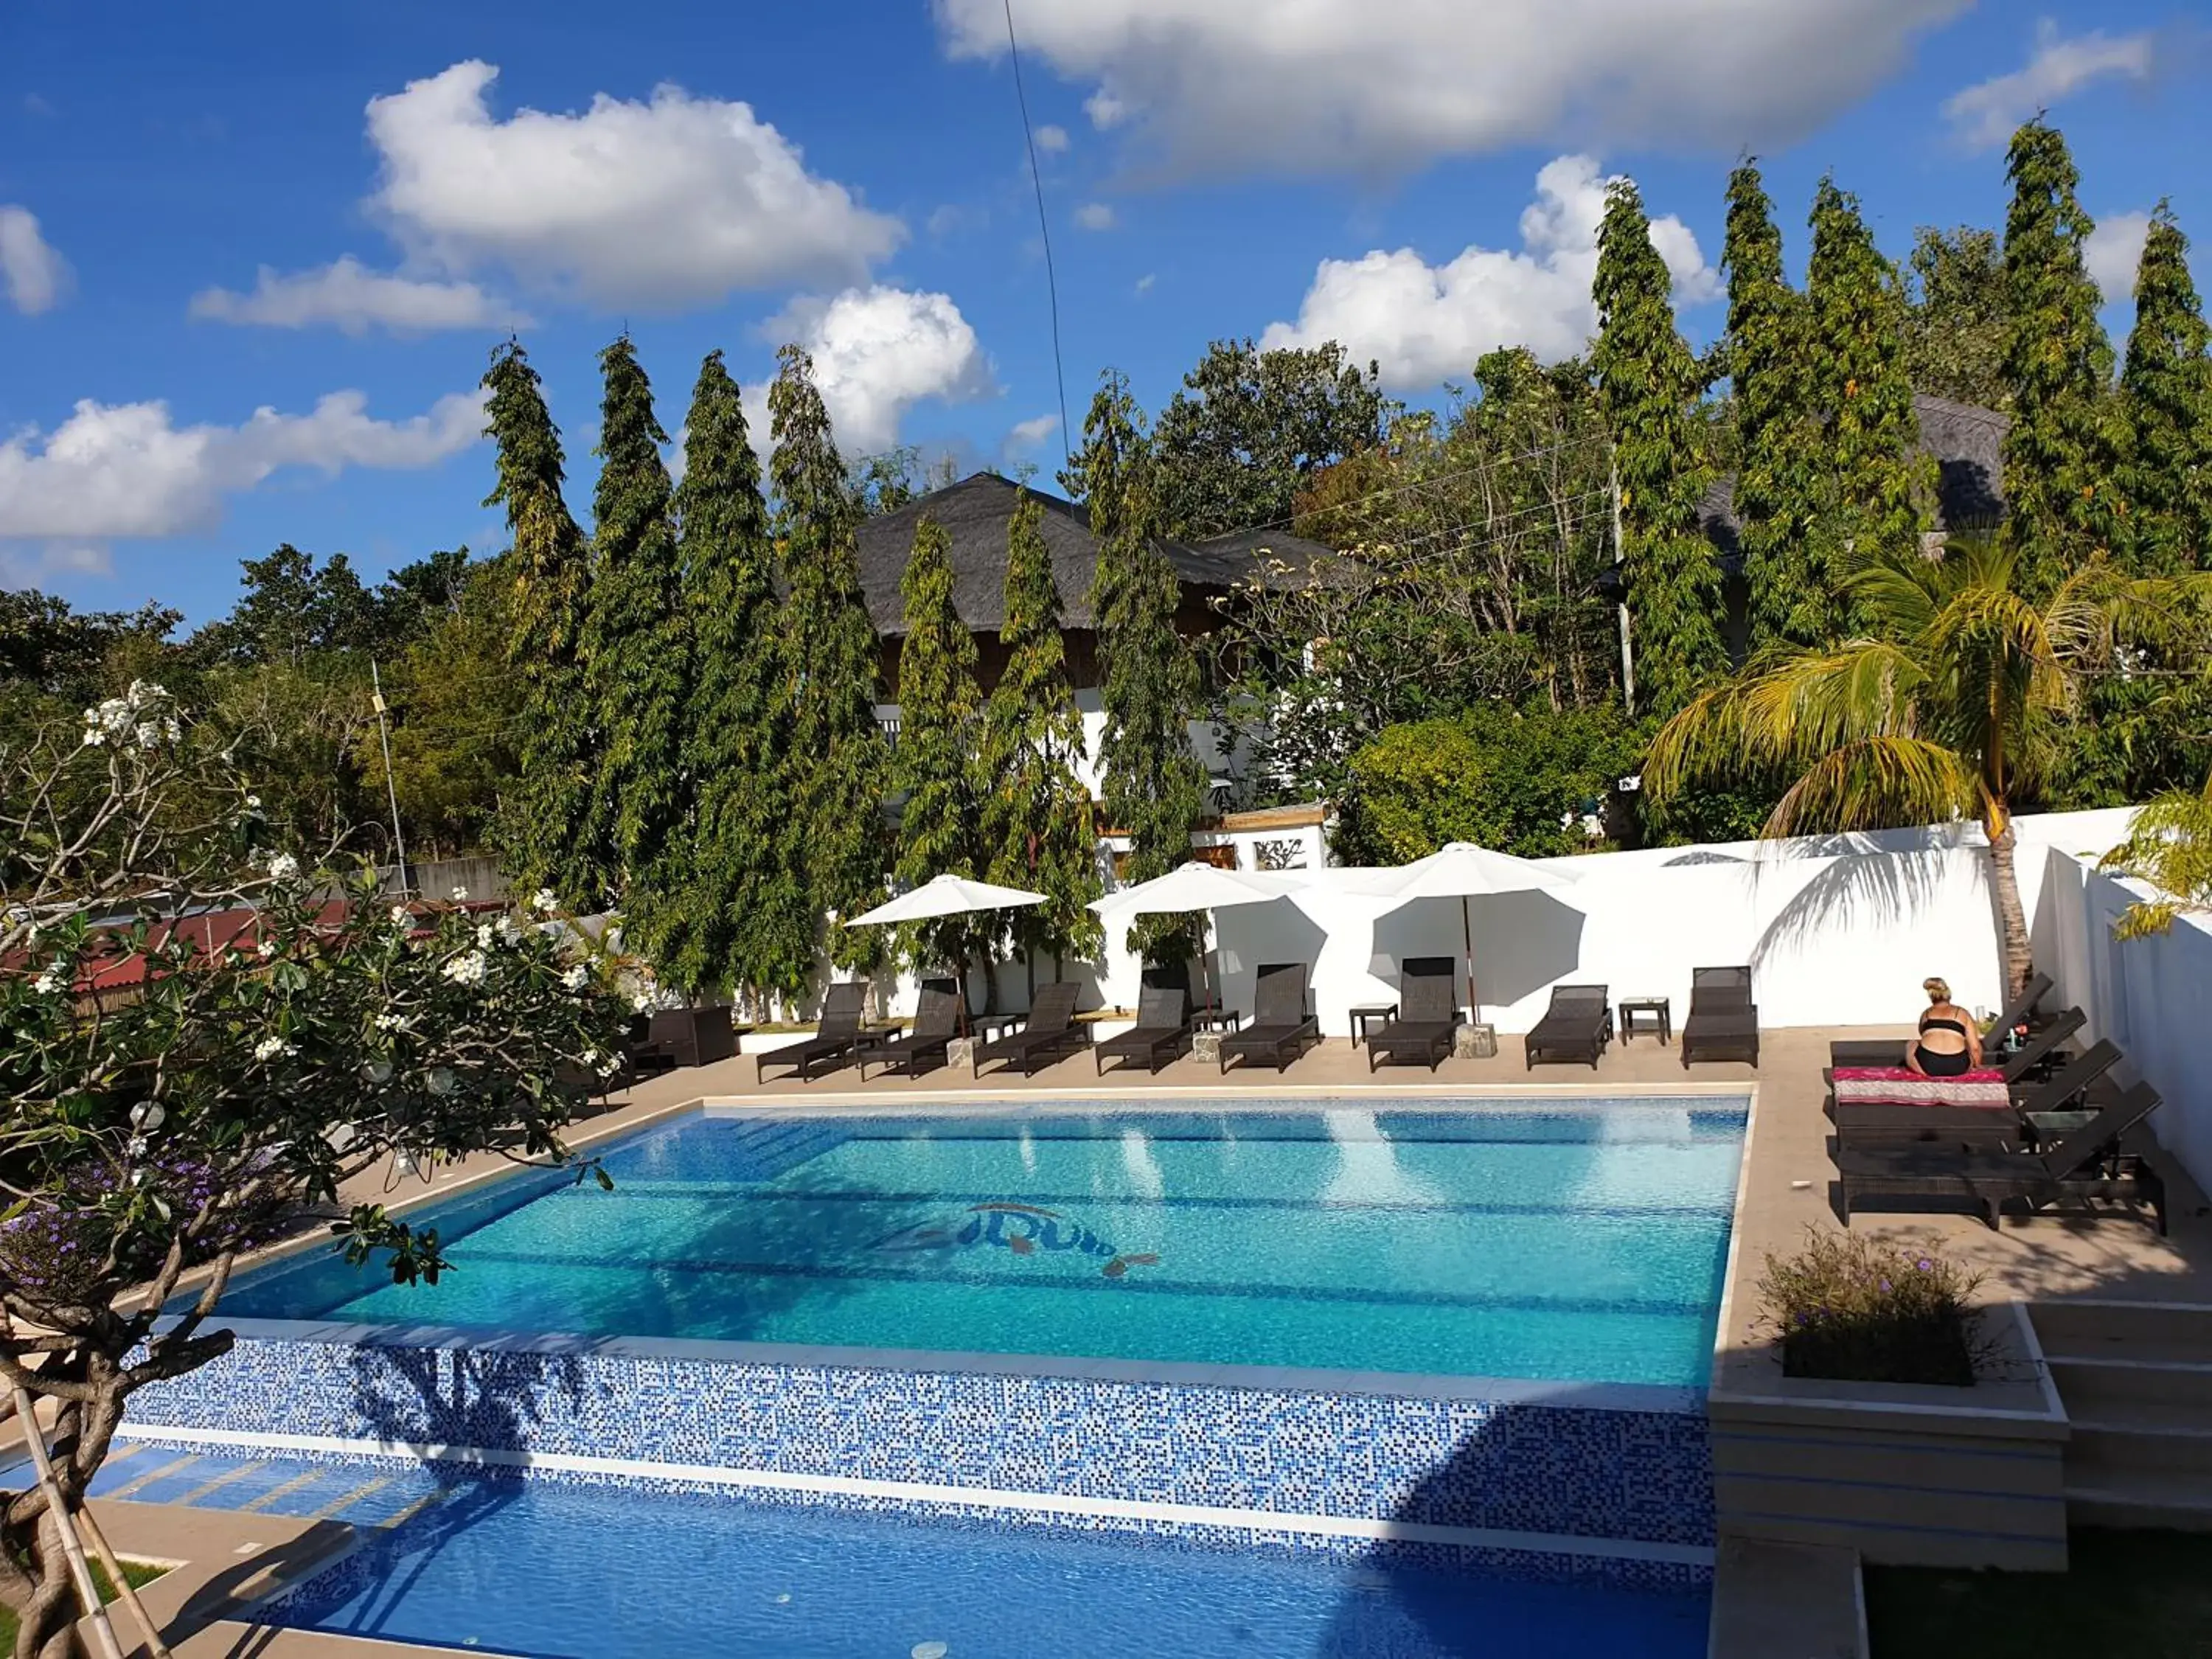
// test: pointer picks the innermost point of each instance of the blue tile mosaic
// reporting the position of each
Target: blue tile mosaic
(1643, 1475)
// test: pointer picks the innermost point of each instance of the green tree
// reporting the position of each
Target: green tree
(1037, 828)
(1649, 384)
(1249, 428)
(939, 713)
(637, 647)
(832, 660)
(1959, 325)
(546, 822)
(1768, 367)
(1097, 473)
(742, 917)
(2169, 845)
(2059, 452)
(1872, 480)
(1943, 709)
(2166, 391)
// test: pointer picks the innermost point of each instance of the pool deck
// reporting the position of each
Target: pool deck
(1785, 1192)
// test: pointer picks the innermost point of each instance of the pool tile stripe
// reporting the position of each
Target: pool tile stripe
(152, 1475)
(277, 1493)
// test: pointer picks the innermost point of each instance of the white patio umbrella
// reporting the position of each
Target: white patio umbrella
(945, 895)
(1464, 871)
(1195, 886)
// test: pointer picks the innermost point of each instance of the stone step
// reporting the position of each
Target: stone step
(2106, 1389)
(2145, 1436)
(2177, 1501)
(2133, 1329)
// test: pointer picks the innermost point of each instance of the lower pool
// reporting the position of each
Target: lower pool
(1583, 1240)
(558, 1570)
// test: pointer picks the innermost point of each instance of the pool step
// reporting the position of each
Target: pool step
(2136, 1380)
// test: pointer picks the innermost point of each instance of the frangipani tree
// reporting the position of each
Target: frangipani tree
(198, 1043)
(1943, 710)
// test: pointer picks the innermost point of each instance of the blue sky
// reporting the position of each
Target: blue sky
(414, 180)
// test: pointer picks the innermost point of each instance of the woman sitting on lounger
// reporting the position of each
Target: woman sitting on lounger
(1950, 1043)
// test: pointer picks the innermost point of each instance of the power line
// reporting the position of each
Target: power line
(1044, 232)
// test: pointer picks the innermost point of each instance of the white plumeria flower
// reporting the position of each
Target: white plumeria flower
(391, 1022)
(273, 1048)
(576, 979)
(485, 935)
(609, 1066)
(283, 867)
(49, 982)
(459, 895)
(266, 949)
(544, 902)
(94, 736)
(402, 917)
(509, 933)
(148, 734)
(465, 969)
(253, 803)
(590, 1057)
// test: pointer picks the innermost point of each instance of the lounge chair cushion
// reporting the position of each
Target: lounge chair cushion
(1896, 1085)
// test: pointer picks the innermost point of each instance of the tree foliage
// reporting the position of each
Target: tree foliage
(547, 826)
(2169, 845)
(2060, 494)
(2166, 391)
(1250, 428)
(1038, 833)
(941, 711)
(1649, 384)
(835, 822)
(1958, 327)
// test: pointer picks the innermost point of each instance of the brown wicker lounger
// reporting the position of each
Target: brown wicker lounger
(1162, 1031)
(2089, 1165)
(1860, 1123)
(1577, 1026)
(936, 1023)
(1723, 1022)
(1428, 1014)
(1281, 1028)
(836, 1037)
(1049, 1033)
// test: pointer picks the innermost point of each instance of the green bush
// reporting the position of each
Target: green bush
(1517, 780)
(1852, 1309)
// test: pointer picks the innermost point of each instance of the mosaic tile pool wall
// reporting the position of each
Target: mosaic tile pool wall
(1505, 1466)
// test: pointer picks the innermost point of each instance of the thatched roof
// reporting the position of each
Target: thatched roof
(975, 514)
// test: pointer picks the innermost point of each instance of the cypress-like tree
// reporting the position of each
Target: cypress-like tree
(1649, 383)
(1037, 828)
(1766, 361)
(1872, 479)
(546, 825)
(743, 918)
(2059, 452)
(939, 710)
(2166, 392)
(832, 662)
(1150, 786)
(637, 645)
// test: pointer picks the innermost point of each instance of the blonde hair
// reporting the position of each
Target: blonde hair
(1938, 988)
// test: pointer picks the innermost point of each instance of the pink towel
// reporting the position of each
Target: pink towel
(1893, 1085)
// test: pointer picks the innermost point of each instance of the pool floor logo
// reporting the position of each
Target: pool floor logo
(1024, 1230)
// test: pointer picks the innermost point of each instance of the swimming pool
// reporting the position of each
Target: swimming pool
(1524, 1239)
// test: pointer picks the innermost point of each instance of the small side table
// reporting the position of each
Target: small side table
(1212, 1019)
(1647, 1013)
(1364, 1014)
(987, 1027)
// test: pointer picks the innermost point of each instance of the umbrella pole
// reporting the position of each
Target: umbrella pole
(1466, 942)
(1205, 975)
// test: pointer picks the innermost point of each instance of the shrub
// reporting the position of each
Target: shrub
(1849, 1309)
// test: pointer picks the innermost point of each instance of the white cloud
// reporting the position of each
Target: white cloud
(679, 201)
(127, 470)
(2112, 253)
(34, 275)
(349, 296)
(1984, 115)
(1359, 86)
(39, 566)
(1053, 141)
(1028, 434)
(1145, 283)
(1096, 215)
(878, 351)
(1424, 324)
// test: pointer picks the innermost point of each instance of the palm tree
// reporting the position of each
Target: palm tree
(2169, 845)
(1945, 710)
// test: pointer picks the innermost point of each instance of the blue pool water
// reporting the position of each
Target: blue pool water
(531, 1567)
(1582, 1242)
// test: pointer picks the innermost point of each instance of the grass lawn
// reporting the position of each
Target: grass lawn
(2142, 1595)
(138, 1572)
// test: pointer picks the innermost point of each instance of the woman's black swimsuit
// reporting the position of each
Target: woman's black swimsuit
(1938, 1065)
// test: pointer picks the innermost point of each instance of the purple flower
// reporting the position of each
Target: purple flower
(1925, 1265)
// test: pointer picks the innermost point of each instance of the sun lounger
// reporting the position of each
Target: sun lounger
(1888, 1104)
(837, 1035)
(2040, 1049)
(2022, 1009)
(2090, 1165)
(1281, 1028)
(1162, 1031)
(2070, 1081)
(1723, 1022)
(1049, 1033)
(1428, 1015)
(1892, 1051)
(936, 1023)
(1577, 1026)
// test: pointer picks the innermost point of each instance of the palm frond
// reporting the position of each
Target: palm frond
(2169, 845)
(1879, 782)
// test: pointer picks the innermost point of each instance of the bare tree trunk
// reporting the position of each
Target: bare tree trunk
(2012, 918)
